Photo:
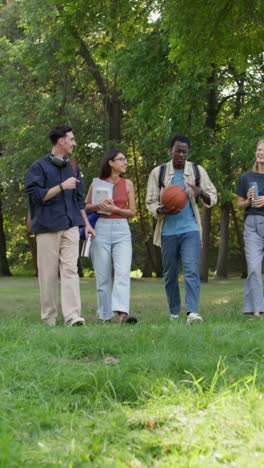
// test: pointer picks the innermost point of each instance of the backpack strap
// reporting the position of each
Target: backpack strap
(197, 177)
(73, 164)
(162, 175)
(196, 174)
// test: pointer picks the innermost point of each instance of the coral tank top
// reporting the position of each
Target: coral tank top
(120, 197)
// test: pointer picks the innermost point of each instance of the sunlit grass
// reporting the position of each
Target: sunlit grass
(159, 394)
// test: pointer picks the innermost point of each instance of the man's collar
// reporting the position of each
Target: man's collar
(171, 169)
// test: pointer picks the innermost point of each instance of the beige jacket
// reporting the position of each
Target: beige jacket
(153, 193)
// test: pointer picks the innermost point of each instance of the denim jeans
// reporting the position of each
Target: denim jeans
(184, 247)
(111, 252)
(254, 250)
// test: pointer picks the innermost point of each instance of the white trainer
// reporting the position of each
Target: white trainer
(192, 317)
(77, 322)
(174, 317)
(50, 323)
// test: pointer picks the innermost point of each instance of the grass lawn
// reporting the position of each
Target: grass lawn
(157, 394)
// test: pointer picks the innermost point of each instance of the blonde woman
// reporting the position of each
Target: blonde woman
(250, 192)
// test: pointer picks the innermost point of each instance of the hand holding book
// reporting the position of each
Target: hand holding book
(107, 206)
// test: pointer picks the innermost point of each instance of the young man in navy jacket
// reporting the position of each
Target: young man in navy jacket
(57, 211)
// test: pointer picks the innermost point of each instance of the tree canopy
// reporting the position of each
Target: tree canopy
(131, 73)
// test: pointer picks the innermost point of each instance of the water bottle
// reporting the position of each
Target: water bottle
(86, 248)
(254, 186)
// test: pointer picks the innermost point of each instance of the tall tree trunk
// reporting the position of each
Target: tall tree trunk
(32, 242)
(212, 103)
(114, 110)
(211, 112)
(240, 243)
(112, 99)
(206, 227)
(4, 267)
(153, 254)
(221, 265)
(33, 249)
(152, 261)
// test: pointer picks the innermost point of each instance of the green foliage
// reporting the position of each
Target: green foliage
(192, 68)
(212, 45)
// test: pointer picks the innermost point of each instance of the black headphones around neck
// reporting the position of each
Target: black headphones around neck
(59, 162)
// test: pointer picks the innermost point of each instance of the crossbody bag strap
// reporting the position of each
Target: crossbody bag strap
(73, 164)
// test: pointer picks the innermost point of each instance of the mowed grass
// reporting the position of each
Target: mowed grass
(157, 394)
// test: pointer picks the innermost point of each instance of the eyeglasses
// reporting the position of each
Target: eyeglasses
(120, 159)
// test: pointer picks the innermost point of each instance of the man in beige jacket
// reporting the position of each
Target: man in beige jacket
(180, 234)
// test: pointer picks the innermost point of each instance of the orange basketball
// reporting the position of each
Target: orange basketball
(174, 198)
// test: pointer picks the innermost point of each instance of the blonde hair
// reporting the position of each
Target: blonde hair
(255, 165)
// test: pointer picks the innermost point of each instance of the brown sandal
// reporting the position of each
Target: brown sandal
(124, 318)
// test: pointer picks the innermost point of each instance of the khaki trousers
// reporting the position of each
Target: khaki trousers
(58, 252)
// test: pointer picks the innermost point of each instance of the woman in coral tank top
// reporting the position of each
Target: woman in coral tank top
(111, 249)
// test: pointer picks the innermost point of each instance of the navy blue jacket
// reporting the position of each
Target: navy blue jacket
(60, 212)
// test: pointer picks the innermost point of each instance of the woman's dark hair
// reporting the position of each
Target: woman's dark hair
(181, 139)
(105, 169)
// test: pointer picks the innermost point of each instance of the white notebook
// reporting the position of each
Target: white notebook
(102, 190)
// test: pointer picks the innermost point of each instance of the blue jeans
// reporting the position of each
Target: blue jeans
(254, 250)
(111, 252)
(184, 247)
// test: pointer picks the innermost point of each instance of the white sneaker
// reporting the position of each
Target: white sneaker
(76, 322)
(174, 317)
(192, 317)
(50, 322)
